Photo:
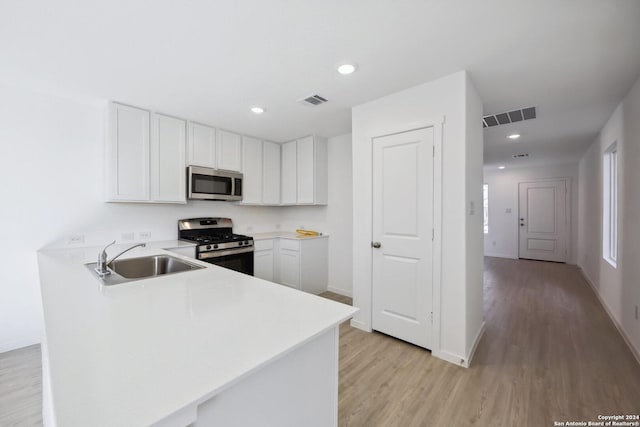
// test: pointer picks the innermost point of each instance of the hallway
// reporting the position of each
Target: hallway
(549, 353)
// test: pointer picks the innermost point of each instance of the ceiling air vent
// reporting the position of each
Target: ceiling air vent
(313, 100)
(518, 115)
(519, 156)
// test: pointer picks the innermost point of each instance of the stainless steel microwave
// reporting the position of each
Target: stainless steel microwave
(213, 184)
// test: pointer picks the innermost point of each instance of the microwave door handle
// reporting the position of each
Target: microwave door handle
(233, 186)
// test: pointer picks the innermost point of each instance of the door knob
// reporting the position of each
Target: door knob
(375, 245)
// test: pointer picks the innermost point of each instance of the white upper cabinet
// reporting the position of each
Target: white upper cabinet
(128, 154)
(289, 173)
(251, 170)
(202, 145)
(305, 158)
(167, 156)
(261, 172)
(145, 156)
(229, 151)
(271, 174)
(304, 171)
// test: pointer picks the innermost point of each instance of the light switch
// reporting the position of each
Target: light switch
(472, 207)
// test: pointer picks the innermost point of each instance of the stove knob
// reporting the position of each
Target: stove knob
(215, 246)
(239, 243)
(208, 247)
(246, 242)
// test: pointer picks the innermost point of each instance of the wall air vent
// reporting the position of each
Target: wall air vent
(313, 100)
(518, 115)
(519, 156)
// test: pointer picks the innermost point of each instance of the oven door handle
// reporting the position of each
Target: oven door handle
(218, 254)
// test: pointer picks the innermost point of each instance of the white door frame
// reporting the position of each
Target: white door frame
(437, 124)
(567, 207)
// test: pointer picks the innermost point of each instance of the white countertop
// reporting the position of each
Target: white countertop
(285, 235)
(135, 353)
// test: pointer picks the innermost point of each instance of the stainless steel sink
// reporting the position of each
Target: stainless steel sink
(127, 270)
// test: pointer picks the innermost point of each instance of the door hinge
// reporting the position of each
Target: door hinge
(434, 150)
(433, 234)
(431, 315)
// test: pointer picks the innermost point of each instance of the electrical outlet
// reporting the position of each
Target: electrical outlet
(76, 239)
(301, 227)
(144, 235)
(249, 228)
(127, 236)
(277, 226)
(508, 210)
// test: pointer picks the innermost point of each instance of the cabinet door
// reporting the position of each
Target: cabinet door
(263, 264)
(271, 174)
(314, 265)
(251, 170)
(167, 156)
(289, 172)
(229, 151)
(306, 172)
(289, 268)
(128, 154)
(202, 145)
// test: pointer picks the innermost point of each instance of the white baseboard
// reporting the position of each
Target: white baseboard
(499, 255)
(360, 325)
(19, 343)
(634, 351)
(476, 341)
(450, 357)
(340, 291)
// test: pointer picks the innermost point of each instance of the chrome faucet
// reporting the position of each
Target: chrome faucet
(101, 266)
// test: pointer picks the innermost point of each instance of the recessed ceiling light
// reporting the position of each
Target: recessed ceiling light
(514, 136)
(500, 167)
(257, 110)
(346, 68)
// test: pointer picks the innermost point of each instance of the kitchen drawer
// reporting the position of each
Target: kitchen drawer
(262, 245)
(292, 245)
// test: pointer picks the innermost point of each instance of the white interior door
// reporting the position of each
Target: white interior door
(402, 235)
(543, 220)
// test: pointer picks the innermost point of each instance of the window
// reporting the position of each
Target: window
(485, 205)
(610, 205)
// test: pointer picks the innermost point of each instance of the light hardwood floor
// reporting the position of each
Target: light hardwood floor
(550, 353)
(21, 387)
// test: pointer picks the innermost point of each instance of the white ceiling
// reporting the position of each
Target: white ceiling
(210, 60)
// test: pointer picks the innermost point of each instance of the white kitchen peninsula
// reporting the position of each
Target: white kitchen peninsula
(205, 347)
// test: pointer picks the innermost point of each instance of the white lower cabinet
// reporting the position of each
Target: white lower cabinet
(289, 264)
(263, 259)
(298, 263)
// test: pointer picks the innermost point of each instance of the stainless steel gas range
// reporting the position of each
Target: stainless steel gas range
(217, 244)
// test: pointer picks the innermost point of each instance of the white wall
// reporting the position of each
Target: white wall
(474, 152)
(52, 187)
(339, 216)
(617, 287)
(502, 239)
(446, 97)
